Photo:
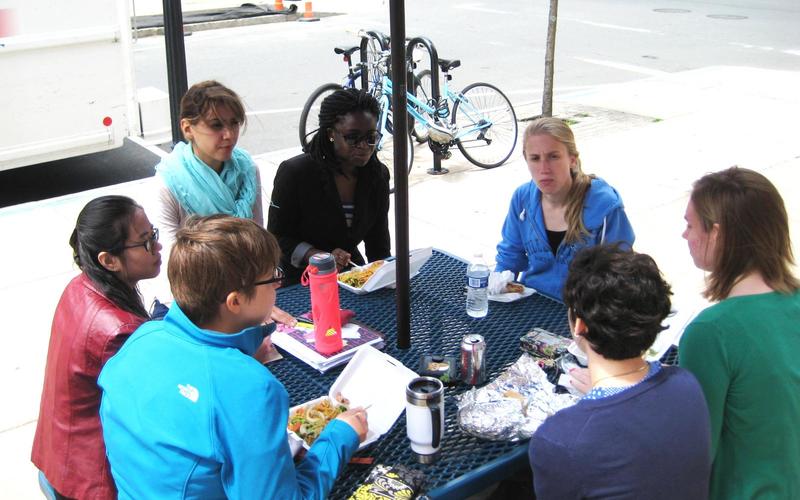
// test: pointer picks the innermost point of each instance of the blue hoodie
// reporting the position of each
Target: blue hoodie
(189, 413)
(525, 247)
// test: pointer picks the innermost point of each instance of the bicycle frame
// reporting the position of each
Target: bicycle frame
(414, 104)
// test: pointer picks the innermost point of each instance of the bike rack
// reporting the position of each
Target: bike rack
(363, 54)
(434, 56)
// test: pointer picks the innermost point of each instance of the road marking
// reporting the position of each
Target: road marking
(749, 46)
(273, 111)
(794, 52)
(615, 26)
(625, 67)
(479, 8)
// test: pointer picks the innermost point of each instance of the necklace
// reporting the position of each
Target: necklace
(641, 368)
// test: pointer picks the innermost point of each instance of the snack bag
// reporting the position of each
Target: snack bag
(545, 345)
(390, 482)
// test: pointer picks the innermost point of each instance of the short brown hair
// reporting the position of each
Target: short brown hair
(215, 255)
(207, 96)
(753, 230)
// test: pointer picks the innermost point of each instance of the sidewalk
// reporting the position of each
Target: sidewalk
(649, 138)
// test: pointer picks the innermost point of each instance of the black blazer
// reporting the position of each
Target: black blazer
(306, 207)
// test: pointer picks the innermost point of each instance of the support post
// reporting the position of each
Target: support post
(176, 63)
(397, 22)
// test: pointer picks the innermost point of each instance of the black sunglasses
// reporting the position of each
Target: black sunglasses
(277, 278)
(352, 140)
(149, 244)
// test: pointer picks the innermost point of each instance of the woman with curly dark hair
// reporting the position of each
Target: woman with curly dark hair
(335, 195)
(642, 429)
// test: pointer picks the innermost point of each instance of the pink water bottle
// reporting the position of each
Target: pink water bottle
(321, 277)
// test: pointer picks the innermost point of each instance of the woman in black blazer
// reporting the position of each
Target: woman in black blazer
(336, 194)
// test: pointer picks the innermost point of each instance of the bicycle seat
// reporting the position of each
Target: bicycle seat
(448, 64)
(346, 50)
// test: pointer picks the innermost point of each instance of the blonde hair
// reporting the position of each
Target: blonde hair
(214, 256)
(753, 230)
(581, 182)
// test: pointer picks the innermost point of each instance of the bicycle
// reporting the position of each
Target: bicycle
(482, 124)
(374, 65)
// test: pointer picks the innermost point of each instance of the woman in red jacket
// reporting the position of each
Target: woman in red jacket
(115, 246)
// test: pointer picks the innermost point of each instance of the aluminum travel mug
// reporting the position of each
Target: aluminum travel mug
(425, 417)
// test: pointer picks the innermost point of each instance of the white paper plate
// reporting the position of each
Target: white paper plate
(511, 297)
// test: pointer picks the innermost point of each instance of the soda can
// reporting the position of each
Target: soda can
(473, 356)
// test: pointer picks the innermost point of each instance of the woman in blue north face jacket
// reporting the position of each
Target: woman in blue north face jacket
(559, 212)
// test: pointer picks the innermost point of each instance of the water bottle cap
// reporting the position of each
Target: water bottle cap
(324, 262)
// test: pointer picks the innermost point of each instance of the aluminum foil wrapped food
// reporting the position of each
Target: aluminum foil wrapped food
(513, 406)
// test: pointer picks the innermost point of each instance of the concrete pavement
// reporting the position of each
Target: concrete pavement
(649, 138)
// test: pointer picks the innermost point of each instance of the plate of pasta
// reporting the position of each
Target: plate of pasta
(371, 380)
(307, 421)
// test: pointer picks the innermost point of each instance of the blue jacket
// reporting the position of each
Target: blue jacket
(189, 413)
(525, 247)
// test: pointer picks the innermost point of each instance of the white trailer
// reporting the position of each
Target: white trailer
(66, 79)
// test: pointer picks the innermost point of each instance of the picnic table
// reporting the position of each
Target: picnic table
(438, 322)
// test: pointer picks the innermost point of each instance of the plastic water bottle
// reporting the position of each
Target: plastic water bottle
(321, 277)
(477, 287)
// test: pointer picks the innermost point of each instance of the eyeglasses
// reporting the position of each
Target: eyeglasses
(277, 278)
(149, 244)
(352, 140)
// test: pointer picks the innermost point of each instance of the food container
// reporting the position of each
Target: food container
(372, 379)
(386, 275)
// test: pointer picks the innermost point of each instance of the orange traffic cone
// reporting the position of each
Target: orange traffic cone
(279, 5)
(308, 14)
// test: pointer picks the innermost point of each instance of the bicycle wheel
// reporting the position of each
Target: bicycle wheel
(385, 152)
(309, 118)
(422, 91)
(375, 45)
(486, 119)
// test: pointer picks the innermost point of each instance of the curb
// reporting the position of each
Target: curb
(228, 23)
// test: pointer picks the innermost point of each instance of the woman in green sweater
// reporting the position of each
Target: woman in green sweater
(743, 350)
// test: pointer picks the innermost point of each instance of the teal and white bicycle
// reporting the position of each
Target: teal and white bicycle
(480, 120)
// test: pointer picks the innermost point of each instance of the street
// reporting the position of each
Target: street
(274, 67)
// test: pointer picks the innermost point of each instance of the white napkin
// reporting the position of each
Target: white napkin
(498, 281)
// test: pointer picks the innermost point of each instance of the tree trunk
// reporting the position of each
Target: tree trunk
(547, 98)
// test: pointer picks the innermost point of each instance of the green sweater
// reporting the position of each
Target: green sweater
(745, 352)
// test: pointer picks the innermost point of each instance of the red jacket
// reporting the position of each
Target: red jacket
(68, 447)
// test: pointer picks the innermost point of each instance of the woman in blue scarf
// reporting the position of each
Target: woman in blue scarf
(209, 175)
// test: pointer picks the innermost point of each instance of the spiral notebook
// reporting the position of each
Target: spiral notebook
(299, 342)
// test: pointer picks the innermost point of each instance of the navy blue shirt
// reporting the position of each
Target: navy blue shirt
(649, 441)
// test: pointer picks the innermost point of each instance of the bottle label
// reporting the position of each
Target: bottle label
(481, 282)
(331, 332)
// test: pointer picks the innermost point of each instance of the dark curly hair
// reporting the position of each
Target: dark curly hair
(331, 111)
(622, 298)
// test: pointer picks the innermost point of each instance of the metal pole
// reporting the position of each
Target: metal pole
(549, 58)
(397, 22)
(434, 59)
(176, 63)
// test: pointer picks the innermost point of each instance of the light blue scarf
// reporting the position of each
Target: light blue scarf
(200, 190)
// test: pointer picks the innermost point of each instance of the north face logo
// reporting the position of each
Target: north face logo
(189, 392)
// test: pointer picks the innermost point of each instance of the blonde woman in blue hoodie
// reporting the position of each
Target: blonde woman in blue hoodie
(560, 211)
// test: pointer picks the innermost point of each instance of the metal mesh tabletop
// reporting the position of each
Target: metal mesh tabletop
(438, 322)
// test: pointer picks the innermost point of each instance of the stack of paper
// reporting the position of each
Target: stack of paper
(299, 342)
